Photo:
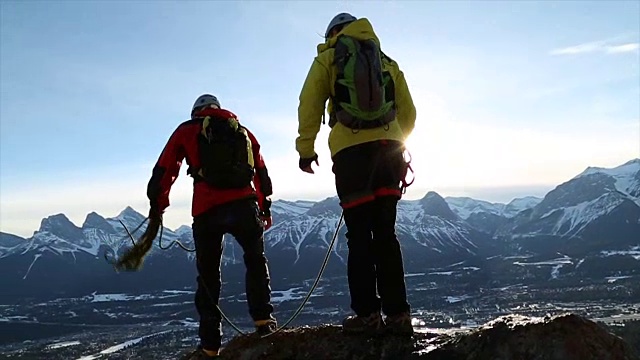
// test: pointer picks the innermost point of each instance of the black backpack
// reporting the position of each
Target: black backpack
(226, 155)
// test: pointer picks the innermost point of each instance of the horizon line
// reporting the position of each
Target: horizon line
(274, 201)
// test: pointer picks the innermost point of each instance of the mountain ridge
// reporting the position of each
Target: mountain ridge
(587, 218)
(279, 206)
(626, 182)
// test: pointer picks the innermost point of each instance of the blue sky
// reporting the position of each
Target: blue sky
(513, 97)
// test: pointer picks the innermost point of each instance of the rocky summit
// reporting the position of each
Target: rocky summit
(510, 337)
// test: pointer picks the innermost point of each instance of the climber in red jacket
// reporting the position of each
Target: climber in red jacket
(230, 195)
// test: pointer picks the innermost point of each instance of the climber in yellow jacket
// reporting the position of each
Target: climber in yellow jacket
(371, 113)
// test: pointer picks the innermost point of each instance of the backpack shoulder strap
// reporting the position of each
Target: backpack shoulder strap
(386, 57)
(244, 131)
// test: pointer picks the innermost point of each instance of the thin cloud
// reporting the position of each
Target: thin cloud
(606, 46)
(632, 47)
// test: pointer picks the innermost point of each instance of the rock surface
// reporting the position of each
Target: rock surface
(511, 337)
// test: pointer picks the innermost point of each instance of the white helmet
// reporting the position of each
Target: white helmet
(203, 101)
(340, 19)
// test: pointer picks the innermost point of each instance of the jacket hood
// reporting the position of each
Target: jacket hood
(360, 29)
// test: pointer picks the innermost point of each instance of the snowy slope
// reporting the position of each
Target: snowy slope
(302, 232)
(9, 242)
(465, 206)
(573, 219)
(283, 207)
(626, 178)
(518, 205)
(184, 231)
(436, 233)
(429, 228)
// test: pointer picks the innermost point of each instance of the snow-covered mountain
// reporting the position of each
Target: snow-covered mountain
(62, 258)
(291, 208)
(575, 207)
(59, 236)
(431, 235)
(430, 223)
(487, 216)
(466, 206)
(592, 218)
(626, 178)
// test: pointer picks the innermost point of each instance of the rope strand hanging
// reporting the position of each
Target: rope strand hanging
(133, 257)
(132, 261)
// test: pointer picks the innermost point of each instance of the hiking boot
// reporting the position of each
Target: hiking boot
(399, 324)
(201, 354)
(363, 324)
(266, 327)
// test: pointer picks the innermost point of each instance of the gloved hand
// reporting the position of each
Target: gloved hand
(267, 221)
(305, 163)
(154, 211)
(265, 213)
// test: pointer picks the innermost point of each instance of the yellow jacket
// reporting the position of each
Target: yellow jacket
(318, 87)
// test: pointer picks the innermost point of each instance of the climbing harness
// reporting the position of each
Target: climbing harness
(406, 184)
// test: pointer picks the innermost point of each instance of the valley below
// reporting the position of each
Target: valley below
(163, 324)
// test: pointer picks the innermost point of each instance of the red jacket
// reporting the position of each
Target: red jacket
(183, 144)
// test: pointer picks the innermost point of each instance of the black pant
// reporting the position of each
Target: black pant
(368, 184)
(240, 219)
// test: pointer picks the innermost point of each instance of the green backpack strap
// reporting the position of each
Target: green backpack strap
(249, 147)
(364, 92)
